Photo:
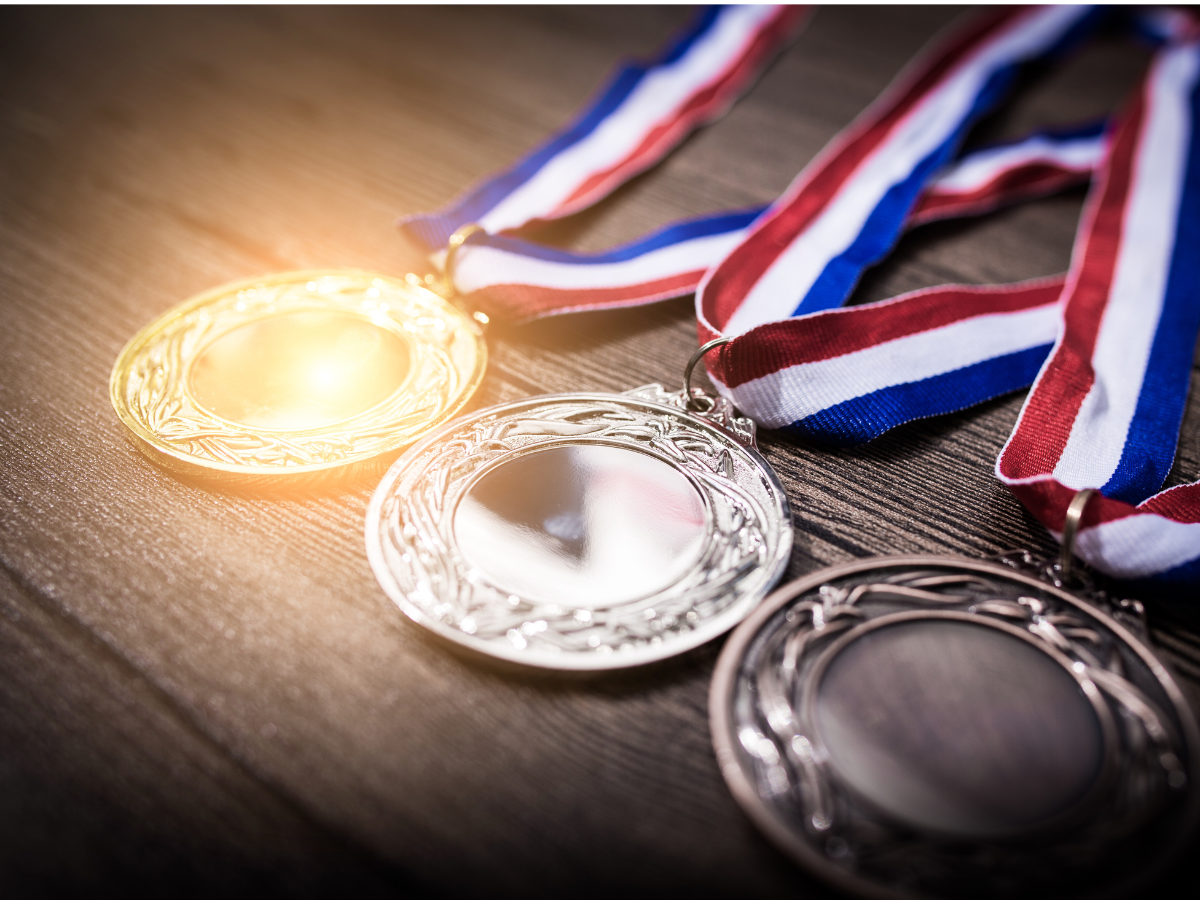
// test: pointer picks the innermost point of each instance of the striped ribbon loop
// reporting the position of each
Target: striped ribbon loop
(1111, 344)
(1108, 346)
(1106, 408)
(778, 293)
(639, 117)
(1040, 164)
(847, 208)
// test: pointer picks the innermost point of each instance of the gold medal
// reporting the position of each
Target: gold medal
(302, 378)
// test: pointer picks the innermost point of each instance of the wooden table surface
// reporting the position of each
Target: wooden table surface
(206, 693)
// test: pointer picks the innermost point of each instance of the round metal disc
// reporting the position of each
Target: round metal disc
(930, 726)
(298, 378)
(579, 531)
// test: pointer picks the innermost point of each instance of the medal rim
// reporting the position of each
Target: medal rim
(180, 463)
(590, 662)
(720, 701)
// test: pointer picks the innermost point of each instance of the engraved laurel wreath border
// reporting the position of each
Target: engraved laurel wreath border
(421, 556)
(154, 392)
(789, 763)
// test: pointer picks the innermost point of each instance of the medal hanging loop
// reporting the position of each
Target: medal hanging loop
(461, 235)
(1070, 528)
(696, 399)
(1111, 369)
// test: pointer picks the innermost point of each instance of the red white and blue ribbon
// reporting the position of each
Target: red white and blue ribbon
(517, 279)
(1041, 163)
(639, 117)
(848, 207)
(1106, 408)
(1109, 344)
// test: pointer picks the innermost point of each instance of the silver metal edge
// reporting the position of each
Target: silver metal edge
(713, 629)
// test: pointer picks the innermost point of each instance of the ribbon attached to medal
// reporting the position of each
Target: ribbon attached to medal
(310, 378)
(590, 531)
(926, 726)
(1107, 347)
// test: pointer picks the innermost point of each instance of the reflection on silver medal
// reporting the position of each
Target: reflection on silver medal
(582, 531)
(943, 727)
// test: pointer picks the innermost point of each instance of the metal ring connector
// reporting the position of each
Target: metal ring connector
(1070, 528)
(691, 403)
(457, 239)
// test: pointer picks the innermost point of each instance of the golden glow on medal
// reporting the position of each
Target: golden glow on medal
(300, 377)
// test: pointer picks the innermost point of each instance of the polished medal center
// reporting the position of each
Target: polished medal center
(589, 525)
(299, 371)
(958, 727)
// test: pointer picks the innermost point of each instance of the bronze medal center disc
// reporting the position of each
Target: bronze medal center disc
(299, 371)
(582, 526)
(958, 727)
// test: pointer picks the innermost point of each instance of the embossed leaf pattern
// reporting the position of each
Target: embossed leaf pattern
(430, 571)
(155, 394)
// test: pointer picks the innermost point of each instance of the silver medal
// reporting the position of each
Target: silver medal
(942, 727)
(582, 531)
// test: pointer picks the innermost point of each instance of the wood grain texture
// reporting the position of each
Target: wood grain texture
(206, 692)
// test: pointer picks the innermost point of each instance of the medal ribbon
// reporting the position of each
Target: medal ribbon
(1106, 408)
(639, 117)
(1108, 346)
(516, 279)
